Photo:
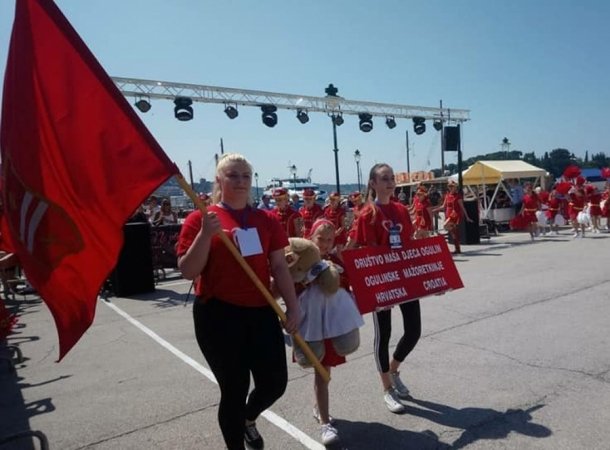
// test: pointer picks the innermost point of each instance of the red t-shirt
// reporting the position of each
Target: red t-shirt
(288, 219)
(374, 230)
(223, 277)
(309, 216)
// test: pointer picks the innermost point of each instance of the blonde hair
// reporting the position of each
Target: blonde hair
(223, 162)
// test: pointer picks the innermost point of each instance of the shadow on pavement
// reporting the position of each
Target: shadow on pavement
(371, 435)
(480, 423)
(14, 409)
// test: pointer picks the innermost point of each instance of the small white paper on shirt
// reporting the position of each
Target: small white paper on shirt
(248, 241)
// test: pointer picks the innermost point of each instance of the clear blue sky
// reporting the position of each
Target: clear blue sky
(534, 71)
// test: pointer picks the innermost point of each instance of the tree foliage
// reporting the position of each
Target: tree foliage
(553, 162)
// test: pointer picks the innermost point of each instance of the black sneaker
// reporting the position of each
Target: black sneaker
(253, 439)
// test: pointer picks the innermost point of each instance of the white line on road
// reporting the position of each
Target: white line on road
(272, 417)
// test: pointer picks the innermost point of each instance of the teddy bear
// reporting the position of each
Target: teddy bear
(328, 311)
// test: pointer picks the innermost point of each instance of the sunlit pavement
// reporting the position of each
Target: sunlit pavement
(517, 359)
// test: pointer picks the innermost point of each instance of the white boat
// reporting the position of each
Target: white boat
(295, 185)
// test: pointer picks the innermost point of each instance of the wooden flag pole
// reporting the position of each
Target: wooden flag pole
(257, 282)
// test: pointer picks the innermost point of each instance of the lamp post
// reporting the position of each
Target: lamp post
(505, 146)
(256, 181)
(357, 156)
(293, 172)
(336, 119)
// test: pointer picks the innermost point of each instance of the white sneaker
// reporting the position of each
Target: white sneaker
(399, 387)
(316, 416)
(575, 235)
(329, 434)
(392, 402)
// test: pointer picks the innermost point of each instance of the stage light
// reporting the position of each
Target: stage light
(366, 122)
(231, 112)
(269, 116)
(143, 104)
(302, 116)
(419, 125)
(390, 122)
(338, 119)
(183, 110)
(438, 125)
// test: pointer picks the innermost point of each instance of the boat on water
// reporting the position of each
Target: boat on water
(296, 185)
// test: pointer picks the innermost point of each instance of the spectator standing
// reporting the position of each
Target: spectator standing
(265, 203)
(165, 216)
(516, 195)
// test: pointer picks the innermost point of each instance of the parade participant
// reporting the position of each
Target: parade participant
(554, 205)
(357, 206)
(595, 211)
(422, 218)
(237, 330)
(576, 204)
(323, 235)
(287, 216)
(453, 204)
(606, 205)
(531, 204)
(335, 213)
(309, 212)
(387, 223)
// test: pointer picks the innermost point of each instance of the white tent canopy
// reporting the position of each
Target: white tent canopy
(483, 173)
(492, 172)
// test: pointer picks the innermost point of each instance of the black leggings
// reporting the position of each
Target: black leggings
(411, 322)
(236, 342)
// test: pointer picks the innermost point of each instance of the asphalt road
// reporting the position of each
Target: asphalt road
(518, 359)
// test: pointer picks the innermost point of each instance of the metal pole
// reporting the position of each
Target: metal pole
(442, 146)
(336, 150)
(222, 147)
(191, 175)
(408, 165)
(358, 174)
(459, 159)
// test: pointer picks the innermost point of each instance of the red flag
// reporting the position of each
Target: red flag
(77, 161)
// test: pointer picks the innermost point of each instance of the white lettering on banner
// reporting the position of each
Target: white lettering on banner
(381, 278)
(435, 283)
(368, 261)
(392, 294)
(410, 254)
(430, 250)
(391, 257)
(423, 269)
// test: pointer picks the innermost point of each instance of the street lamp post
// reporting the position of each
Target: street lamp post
(505, 146)
(357, 156)
(256, 181)
(293, 172)
(336, 119)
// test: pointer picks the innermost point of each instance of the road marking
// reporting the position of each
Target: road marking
(272, 417)
(175, 283)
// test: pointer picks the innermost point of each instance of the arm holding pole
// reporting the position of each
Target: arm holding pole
(204, 245)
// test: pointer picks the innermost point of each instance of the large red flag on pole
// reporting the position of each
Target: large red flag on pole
(76, 162)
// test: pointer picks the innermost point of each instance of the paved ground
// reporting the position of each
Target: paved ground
(517, 359)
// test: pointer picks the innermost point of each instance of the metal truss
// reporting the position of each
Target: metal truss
(331, 105)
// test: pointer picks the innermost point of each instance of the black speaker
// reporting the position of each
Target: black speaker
(469, 231)
(452, 138)
(133, 273)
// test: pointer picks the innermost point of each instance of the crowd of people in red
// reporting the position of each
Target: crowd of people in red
(577, 203)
